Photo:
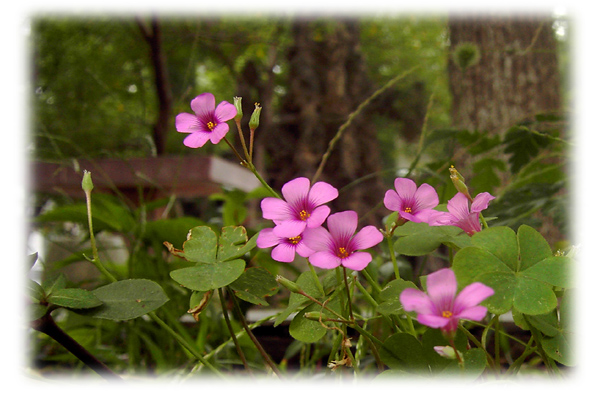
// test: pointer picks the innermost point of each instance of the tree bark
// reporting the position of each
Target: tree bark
(327, 82)
(516, 76)
(153, 37)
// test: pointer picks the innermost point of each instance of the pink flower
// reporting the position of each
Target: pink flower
(285, 248)
(440, 307)
(208, 121)
(302, 207)
(339, 245)
(411, 203)
(460, 215)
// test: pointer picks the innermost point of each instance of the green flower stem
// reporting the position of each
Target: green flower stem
(351, 316)
(393, 256)
(241, 133)
(96, 259)
(371, 281)
(184, 343)
(257, 344)
(231, 332)
(477, 343)
(316, 278)
(513, 369)
(549, 362)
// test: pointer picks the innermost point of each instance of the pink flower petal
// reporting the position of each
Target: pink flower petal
(342, 225)
(357, 261)
(289, 228)
(472, 295)
(367, 237)
(266, 238)
(476, 313)
(324, 259)
(203, 105)
(318, 239)
(321, 193)
(284, 252)
(392, 201)
(405, 187)
(303, 250)
(195, 140)
(275, 209)
(416, 300)
(225, 111)
(426, 197)
(459, 206)
(441, 288)
(296, 191)
(318, 216)
(186, 123)
(481, 202)
(433, 321)
(219, 132)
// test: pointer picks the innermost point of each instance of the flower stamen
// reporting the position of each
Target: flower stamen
(295, 239)
(211, 125)
(408, 210)
(304, 215)
(447, 314)
(342, 252)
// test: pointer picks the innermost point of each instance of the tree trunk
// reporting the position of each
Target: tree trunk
(327, 82)
(515, 78)
(162, 126)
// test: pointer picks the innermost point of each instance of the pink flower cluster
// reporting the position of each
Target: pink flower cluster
(298, 219)
(417, 205)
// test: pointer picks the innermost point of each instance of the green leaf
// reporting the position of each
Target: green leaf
(234, 243)
(57, 282)
(128, 299)
(419, 239)
(36, 311)
(35, 291)
(561, 347)
(201, 245)
(307, 283)
(172, 230)
(309, 331)
(203, 277)
(403, 351)
(522, 145)
(74, 298)
(390, 297)
(474, 364)
(255, 284)
(497, 258)
(501, 241)
(486, 179)
(552, 270)
(533, 248)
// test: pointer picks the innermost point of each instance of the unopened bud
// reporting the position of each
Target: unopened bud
(446, 352)
(459, 182)
(86, 183)
(237, 102)
(291, 286)
(254, 118)
(313, 315)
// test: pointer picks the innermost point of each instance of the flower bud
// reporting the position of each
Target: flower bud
(86, 183)
(237, 102)
(459, 182)
(313, 315)
(254, 118)
(446, 352)
(291, 286)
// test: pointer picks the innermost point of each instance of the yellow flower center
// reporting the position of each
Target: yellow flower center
(294, 240)
(304, 215)
(342, 252)
(211, 125)
(408, 210)
(446, 314)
